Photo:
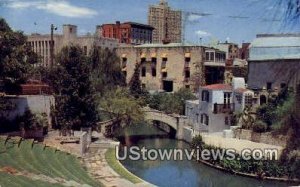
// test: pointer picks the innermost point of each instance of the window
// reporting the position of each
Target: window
(124, 62)
(187, 59)
(153, 72)
(164, 74)
(187, 74)
(204, 119)
(144, 86)
(269, 85)
(143, 71)
(212, 56)
(227, 99)
(205, 95)
(248, 100)
(187, 86)
(71, 30)
(283, 85)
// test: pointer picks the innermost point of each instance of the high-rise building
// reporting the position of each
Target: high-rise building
(167, 23)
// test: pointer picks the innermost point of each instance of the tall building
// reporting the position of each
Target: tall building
(128, 32)
(167, 23)
(40, 43)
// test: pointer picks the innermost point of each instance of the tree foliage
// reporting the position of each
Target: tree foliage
(74, 96)
(105, 70)
(123, 106)
(15, 56)
(171, 102)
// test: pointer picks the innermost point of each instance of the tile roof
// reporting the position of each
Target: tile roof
(218, 87)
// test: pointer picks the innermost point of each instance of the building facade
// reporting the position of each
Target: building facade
(167, 67)
(167, 23)
(274, 62)
(128, 32)
(217, 103)
(41, 43)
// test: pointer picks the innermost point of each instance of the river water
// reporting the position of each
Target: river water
(175, 173)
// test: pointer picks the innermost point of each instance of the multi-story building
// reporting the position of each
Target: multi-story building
(274, 63)
(128, 32)
(41, 43)
(167, 23)
(231, 49)
(167, 67)
(214, 110)
(244, 51)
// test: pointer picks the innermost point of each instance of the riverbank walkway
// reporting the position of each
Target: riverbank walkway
(95, 161)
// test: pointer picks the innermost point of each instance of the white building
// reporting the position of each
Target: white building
(214, 110)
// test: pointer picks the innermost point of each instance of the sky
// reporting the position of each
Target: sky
(232, 20)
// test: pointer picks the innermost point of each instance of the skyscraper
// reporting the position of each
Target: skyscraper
(166, 22)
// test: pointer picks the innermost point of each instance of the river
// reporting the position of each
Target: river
(177, 173)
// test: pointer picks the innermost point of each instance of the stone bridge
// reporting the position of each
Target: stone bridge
(177, 122)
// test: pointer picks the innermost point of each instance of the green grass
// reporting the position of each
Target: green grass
(118, 167)
(46, 161)
(7, 180)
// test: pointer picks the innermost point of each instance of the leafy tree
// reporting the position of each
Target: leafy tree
(135, 85)
(16, 56)
(74, 96)
(171, 102)
(123, 106)
(106, 70)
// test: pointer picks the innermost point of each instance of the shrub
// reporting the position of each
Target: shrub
(197, 142)
(260, 127)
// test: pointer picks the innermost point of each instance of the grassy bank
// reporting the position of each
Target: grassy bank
(119, 168)
(37, 159)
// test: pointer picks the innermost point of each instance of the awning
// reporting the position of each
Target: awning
(124, 69)
(143, 55)
(153, 55)
(187, 55)
(164, 55)
(124, 55)
(164, 70)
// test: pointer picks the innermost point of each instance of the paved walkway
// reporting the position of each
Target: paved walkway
(94, 160)
(99, 169)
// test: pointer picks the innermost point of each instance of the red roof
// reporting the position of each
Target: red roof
(218, 87)
(241, 90)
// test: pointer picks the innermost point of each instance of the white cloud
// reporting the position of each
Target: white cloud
(61, 8)
(202, 33)
(194, 17)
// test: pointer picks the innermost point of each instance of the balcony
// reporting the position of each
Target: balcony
(223, 108)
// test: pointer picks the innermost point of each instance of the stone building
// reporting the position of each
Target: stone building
(167, 67)
(167, 23)
(274, 62)
(128, 32)
(40, 43)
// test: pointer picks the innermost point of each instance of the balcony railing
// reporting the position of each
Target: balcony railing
(223, 108)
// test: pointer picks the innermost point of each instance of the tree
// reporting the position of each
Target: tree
(106, 70)
(16, 57)
(123, 106)
(74, 95)
(135, 85)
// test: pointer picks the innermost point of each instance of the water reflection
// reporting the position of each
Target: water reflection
(184, 173)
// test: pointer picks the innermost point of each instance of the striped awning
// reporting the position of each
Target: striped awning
(153, 55)
(164, 70)
(187, 55)
(143, 55)
(164, 55)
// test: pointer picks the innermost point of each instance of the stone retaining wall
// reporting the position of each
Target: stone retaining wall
(267, 138)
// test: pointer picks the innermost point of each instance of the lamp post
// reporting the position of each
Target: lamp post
(52, 45)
